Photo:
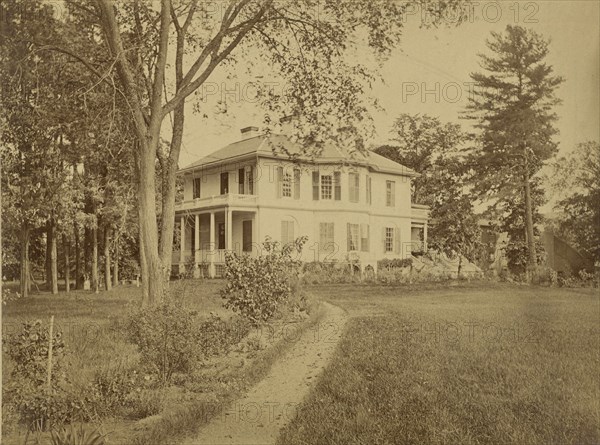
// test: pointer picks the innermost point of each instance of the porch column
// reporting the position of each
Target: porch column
(229, 229)
(196, 245)
(425, 237)
(182, 246)
(213, 248)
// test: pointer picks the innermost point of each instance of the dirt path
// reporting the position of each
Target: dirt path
(258, 417)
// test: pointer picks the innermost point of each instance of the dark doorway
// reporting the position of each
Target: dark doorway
(221, 237)
(247, 236)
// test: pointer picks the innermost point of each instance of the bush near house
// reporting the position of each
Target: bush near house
(257, 288)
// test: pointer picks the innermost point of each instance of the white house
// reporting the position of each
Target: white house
(352, 208)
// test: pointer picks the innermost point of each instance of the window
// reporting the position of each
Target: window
(196, 188)
(286, 185)
(241, 177)
(390, 193)
(326, 243)
(354, 186)
(364, 237)
(368, 193)
(287, 233)
(326, 186)
(224, 183)
(352, 237)
(389, 239)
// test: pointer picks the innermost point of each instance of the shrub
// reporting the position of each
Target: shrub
(29, 352)
(165, 335)
(76, 436)
(394, 263)
(256, 287)
(215, 335)
(145, 403)
(330, 273)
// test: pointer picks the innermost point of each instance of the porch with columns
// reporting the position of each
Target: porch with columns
(206, 235)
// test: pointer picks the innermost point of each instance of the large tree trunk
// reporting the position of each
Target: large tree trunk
(67, 264)
(95, 283)
(53, 264)
(143, 272)
(25, 284)
(116, 263)
(531, 253)
(147, 128)
(87, 244)
(48, 264)
(107, 281)
(78, 273)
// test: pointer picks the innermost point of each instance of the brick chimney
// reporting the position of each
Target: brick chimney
(249, 132)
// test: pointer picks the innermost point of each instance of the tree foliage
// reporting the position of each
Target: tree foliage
(433, 149)
(576, 179)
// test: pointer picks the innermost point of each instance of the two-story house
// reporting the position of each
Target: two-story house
(352, 208)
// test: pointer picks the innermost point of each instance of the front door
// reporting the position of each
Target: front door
(221, 237)
(247, 236)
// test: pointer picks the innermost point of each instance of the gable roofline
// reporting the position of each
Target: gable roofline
(258, 147)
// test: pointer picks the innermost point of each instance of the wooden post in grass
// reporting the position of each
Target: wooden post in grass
(50, 353)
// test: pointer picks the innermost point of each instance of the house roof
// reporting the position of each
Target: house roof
(269, 147)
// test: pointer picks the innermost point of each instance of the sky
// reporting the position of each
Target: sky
(429, 73)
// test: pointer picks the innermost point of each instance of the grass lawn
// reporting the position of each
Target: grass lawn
(468, 364)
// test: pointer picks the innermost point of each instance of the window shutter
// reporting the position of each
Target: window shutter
(383, 238)
(315, 185)
(250, 173)
(337, 186)
(398, 246)
(296, 183)
(241, 181)
(279, 181)
(348, 238)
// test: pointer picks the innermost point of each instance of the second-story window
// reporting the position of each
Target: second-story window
(354, 186)
(196, 188)
(241, 178)
(224, 183)
(390, 193)
(326, 186)
(286, 185)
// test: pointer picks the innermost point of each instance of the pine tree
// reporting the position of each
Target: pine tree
(513, 104)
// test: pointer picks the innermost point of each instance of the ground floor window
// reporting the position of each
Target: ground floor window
(326, 240)
(389, 239)
(287, 233)
(352, 237)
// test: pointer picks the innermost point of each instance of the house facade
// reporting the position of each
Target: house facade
(354, 209)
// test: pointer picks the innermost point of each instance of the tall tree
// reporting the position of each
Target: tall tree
(513, 105)
(304, 42)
